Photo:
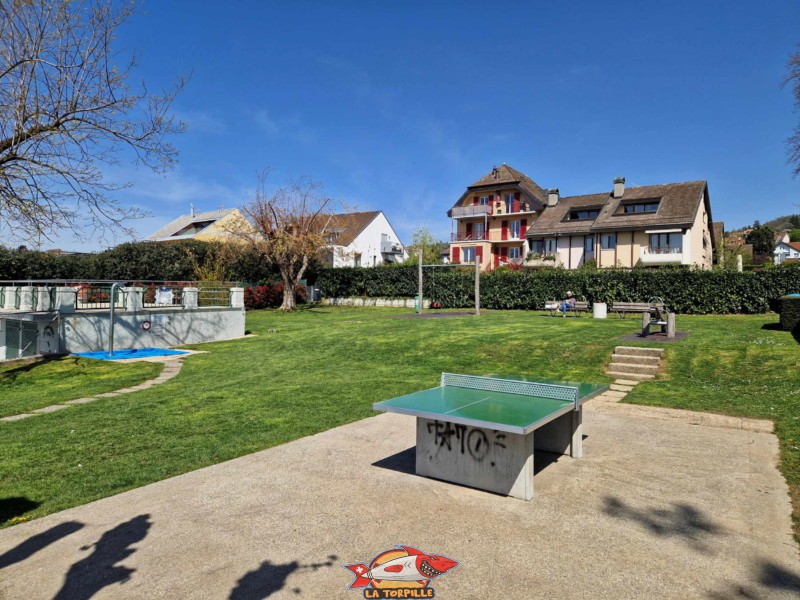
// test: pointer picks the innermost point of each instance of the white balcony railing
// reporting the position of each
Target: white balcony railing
(662, 255)
(476, 210)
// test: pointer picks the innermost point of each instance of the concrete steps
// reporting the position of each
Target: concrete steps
(634, 363)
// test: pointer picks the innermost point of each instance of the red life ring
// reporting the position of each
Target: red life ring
(146, 325)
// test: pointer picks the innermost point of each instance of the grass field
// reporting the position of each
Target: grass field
(324, 367)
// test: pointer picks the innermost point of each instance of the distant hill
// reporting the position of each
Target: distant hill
(779, 224)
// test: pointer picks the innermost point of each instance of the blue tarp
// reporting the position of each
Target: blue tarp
(130, 353)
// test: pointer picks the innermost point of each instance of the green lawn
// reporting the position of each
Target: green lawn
(28, 386)
(323, 367)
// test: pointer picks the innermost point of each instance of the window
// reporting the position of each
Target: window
(583, 214)
(514, 253)
(509, 202)
(608, 241)
(551, 246)
(666, 243)
(483, 200)
(588, 244)
(478, 230)
(640, 207)
(468, 254)
(357, 260)
(514, 230)
(537, 246)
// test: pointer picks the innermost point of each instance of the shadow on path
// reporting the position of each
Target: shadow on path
(88, 576)
(35, 543)
(683, 521)
(269, 578)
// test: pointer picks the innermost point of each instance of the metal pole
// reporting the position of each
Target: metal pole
(477, 286)
(419, 304)
(114, 287)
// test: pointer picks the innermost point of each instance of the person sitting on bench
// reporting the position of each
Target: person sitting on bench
(568, 303)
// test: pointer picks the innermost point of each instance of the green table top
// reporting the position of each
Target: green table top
(500, 411)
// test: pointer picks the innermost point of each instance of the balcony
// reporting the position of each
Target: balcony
(391, 248)
(476, 210)
(469, 237)
(662, 255)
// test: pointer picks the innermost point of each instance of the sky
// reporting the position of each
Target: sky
(398, 106)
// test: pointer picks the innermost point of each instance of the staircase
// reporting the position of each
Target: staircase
(634, 363)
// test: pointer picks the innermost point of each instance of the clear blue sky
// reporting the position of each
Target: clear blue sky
(398, 106)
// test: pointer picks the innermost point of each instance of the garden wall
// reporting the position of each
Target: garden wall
(684, 291)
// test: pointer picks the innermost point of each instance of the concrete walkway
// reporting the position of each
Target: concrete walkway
(656, 509)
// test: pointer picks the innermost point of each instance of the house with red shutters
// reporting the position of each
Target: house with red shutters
(492, 217)
(505, 218)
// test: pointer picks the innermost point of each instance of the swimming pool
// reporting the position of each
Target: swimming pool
(130, 353)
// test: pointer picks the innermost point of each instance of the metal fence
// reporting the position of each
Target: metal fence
(91, 296)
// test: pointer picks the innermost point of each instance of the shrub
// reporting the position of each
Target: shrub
(685, 291)
(270, 296)
(790, 313)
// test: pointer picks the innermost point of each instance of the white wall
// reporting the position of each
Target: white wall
(784, 251)
(368, 244)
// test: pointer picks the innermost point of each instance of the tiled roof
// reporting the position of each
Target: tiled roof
(795, 245)
(678, 204)
(173, 227)
(346, 227)
(505, 175)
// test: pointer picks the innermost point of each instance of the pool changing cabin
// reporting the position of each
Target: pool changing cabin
(40, 318)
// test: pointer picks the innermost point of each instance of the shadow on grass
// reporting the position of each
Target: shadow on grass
(16, 506)
(37, 542)
(98, 570)
(777, 327)
(406, 461)
(269, 578)
(30, 364)
(683, 521)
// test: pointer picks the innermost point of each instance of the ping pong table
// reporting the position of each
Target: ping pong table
(482, 431)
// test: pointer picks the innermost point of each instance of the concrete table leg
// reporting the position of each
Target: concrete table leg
(563, 435)
(482, 458)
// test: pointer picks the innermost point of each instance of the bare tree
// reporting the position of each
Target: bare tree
(67, 109)
(291, 227)
(793, 79)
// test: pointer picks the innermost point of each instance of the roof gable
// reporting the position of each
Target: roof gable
(187, 226)
(346, 227)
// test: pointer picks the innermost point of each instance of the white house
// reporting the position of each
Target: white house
(786, 250)
(363, 239)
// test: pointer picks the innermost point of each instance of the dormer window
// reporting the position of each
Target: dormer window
(583, 214)
(484, 200)
(650, 206)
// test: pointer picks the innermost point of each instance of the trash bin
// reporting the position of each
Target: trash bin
(599, 310)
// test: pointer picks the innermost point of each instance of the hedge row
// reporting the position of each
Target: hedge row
(142, 261)
(790, 313)
(270, 296)
(684, 291)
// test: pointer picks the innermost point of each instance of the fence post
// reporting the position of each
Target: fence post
(237, 297)
(477, 286)
(190, 297)
(419, 269)
(671, 325)
(26, 298)
(11, 293)
(134, 298)
(65, 299)
(43, 299)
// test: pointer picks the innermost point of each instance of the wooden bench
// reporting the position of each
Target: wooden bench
(623, 308)
(553, 306)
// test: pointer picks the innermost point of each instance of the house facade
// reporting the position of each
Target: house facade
(363, 239)
(647, 226)
(215, 225)
(786, 251)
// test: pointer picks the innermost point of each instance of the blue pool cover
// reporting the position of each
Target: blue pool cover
(130, 353)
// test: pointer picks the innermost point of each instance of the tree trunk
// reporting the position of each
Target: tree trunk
(289, 301)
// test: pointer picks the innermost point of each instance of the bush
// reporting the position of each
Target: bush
(270, 296)
(684, 291)
(790, 313)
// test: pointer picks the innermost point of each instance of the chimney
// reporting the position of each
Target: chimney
(619, 187)
(552, 197)
(192, 210)
(495, 172)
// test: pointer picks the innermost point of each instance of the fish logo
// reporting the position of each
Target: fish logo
(403, 572)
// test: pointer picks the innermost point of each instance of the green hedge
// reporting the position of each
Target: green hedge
(684, 291)
(790, 313)
(136, 261)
